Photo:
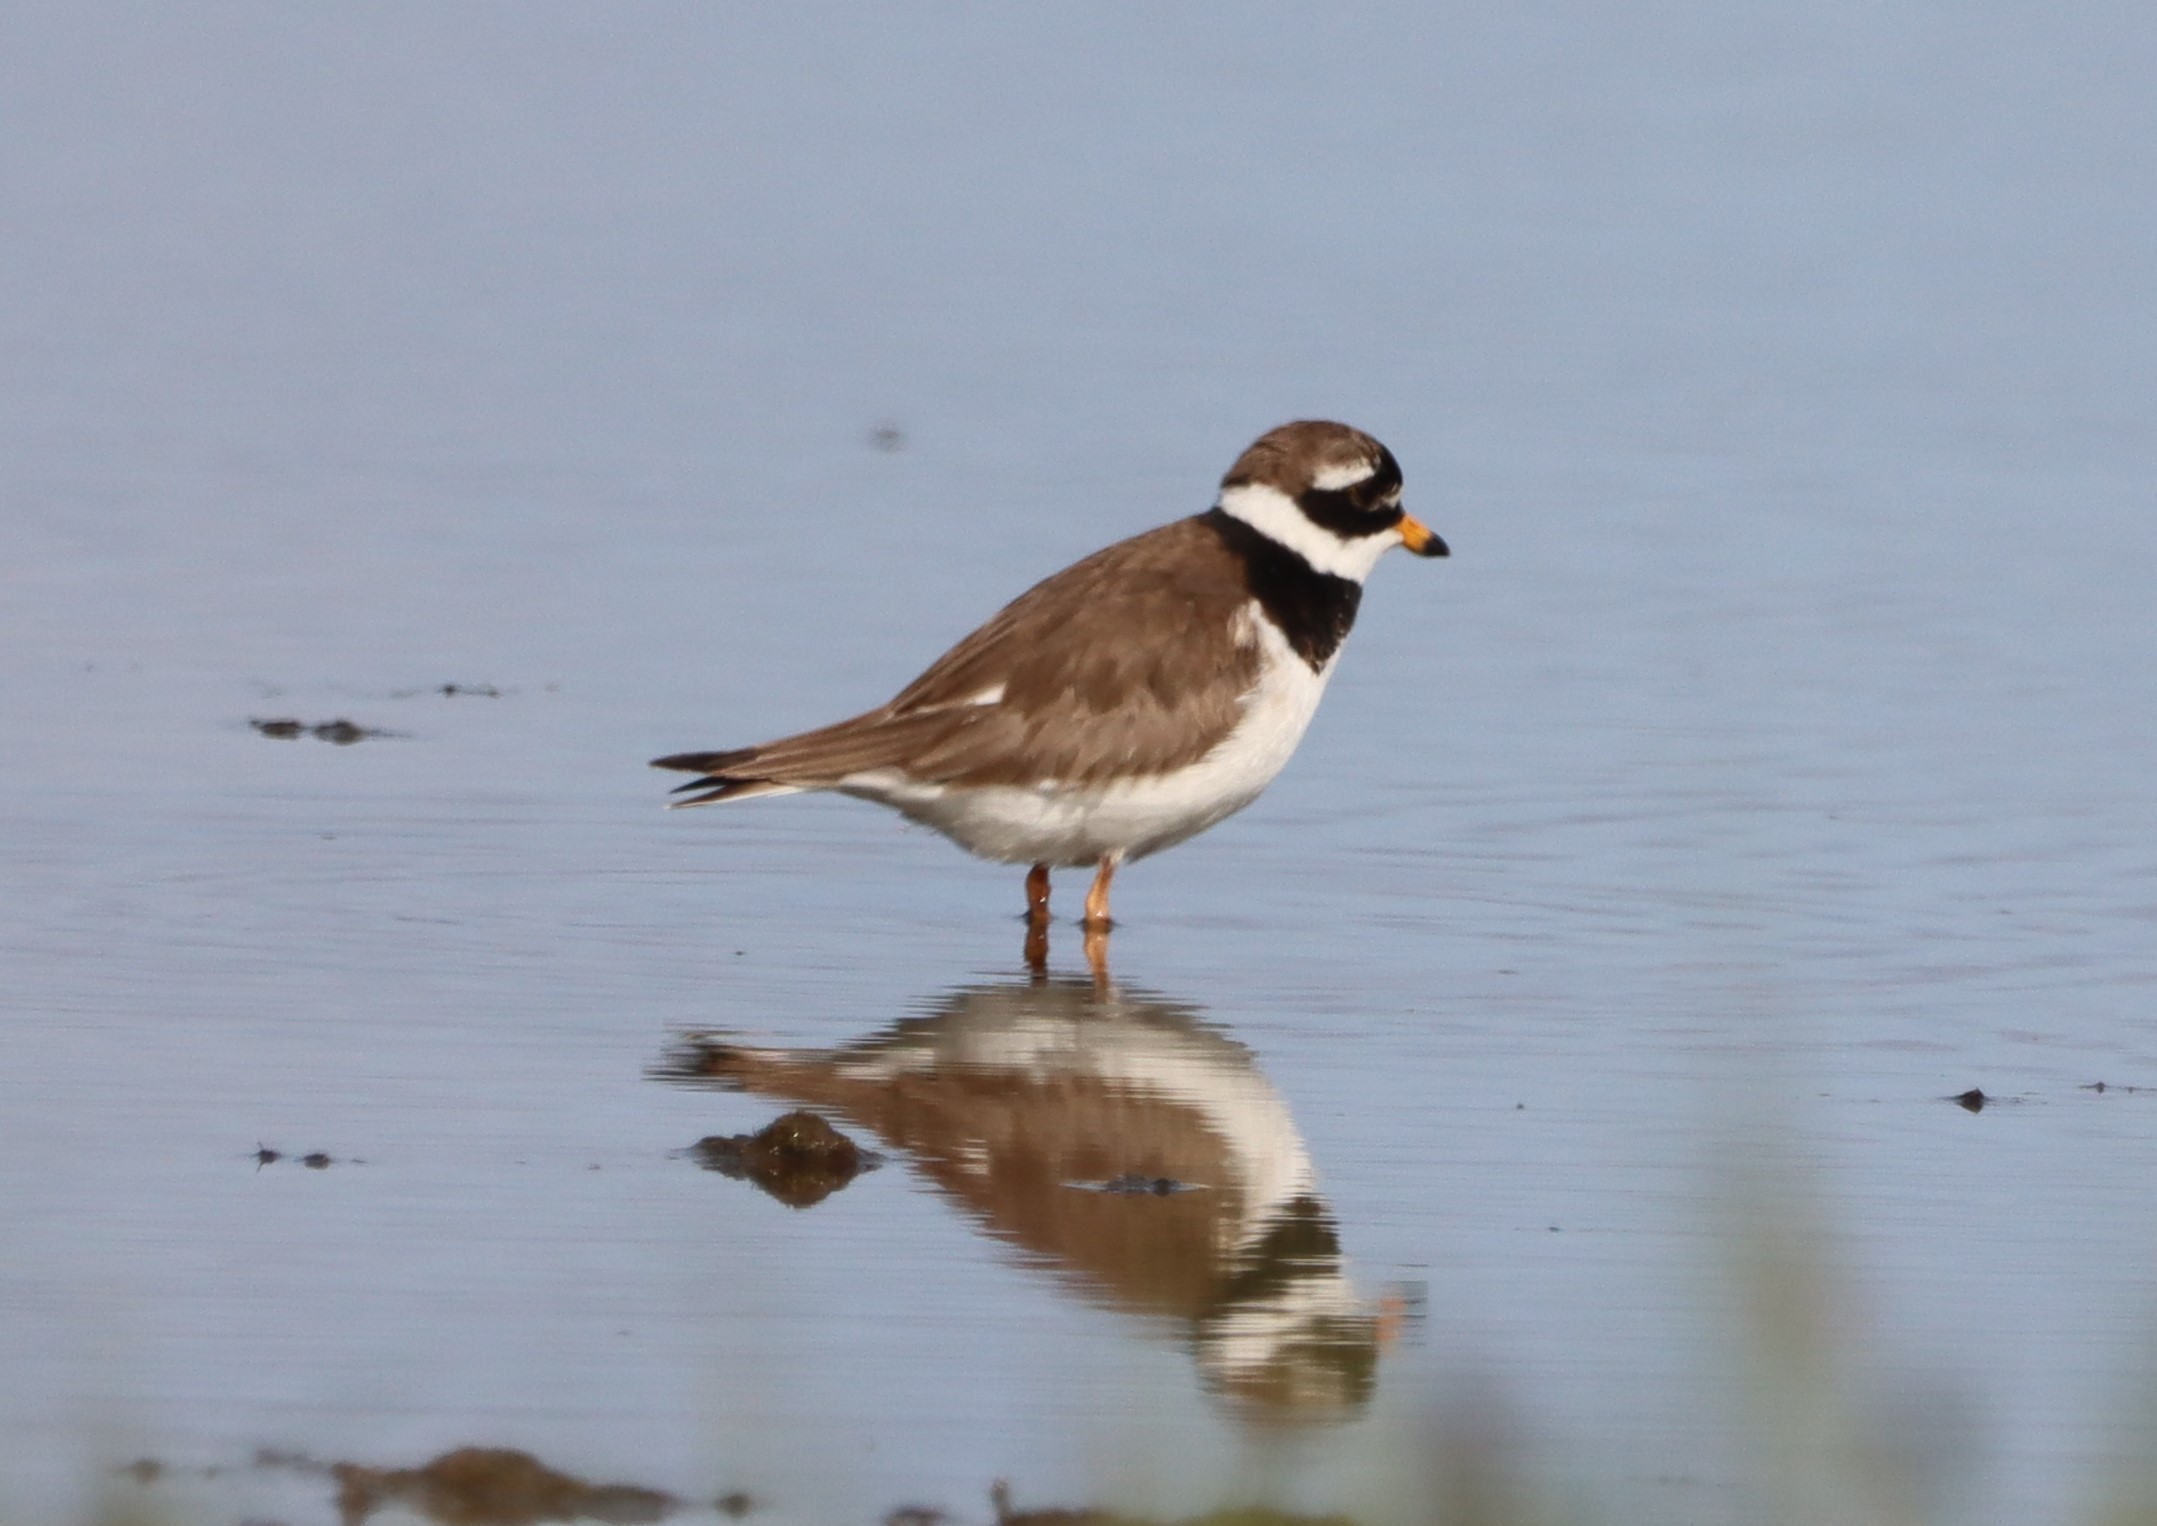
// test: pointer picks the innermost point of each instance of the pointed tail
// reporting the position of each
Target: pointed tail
(727, 776)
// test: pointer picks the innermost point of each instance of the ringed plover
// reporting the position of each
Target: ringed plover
(1133, 699)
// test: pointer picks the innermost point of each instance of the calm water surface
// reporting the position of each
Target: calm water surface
(1771, 761)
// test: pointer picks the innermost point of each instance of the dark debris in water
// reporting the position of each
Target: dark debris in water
(340, 731)
(148, 1471)
(1976, 1100)
(313, 1160)
(1241, 1515)
(1137, 1184)
(493, 1486)
(797, 1158)
(477, 1486)
(451, 691)
(501, 1486)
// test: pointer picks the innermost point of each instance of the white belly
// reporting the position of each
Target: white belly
(1055, 824)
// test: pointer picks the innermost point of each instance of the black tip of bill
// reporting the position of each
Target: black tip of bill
(1421, 538)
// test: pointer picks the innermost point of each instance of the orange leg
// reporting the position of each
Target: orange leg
(1037, 919)
(1097, 917)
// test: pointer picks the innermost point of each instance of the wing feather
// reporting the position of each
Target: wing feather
(1134, 660)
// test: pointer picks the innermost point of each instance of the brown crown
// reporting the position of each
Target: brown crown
(1291, 457)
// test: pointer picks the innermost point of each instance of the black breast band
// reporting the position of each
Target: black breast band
(1313, 609)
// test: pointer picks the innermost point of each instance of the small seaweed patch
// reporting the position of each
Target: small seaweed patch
(502, 1486)
(797, 1158)
(340, 731)
(313, 1160)
(476, 1486)
(493, 1486)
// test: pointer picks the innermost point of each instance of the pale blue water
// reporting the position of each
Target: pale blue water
(1774, 753)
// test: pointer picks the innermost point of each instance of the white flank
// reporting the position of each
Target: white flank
(890, 786)
(1274, 515)
(1051, 824)
(992, 696)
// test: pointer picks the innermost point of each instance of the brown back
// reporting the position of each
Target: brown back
(1131, 661)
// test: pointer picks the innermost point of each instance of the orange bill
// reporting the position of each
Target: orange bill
(1421, 538)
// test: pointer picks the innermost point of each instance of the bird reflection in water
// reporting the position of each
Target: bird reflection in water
(1031, 1103)
(1036, 948)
